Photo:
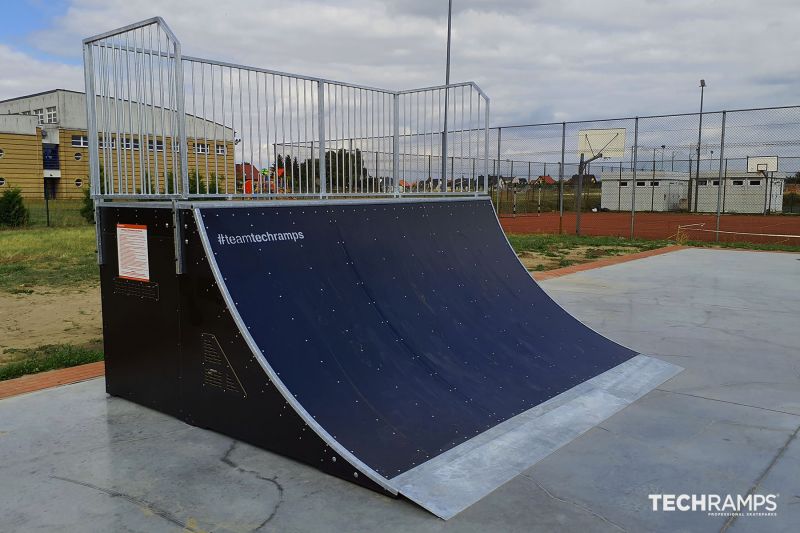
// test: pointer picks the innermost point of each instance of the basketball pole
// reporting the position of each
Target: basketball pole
(579, 196)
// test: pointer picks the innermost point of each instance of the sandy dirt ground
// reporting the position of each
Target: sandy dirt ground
(534, 260)
(50, 316)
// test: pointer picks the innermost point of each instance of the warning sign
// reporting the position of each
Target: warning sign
(132, 252)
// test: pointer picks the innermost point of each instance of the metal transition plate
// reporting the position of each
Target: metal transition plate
(454, 480)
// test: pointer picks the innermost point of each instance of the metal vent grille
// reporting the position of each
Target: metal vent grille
(147, 290)
(217, 370)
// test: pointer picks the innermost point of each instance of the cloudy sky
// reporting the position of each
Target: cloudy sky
(539, 61)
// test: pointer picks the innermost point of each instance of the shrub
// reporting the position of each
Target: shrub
(12, 209)
(87, 207)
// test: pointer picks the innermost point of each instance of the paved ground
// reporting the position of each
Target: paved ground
(76, 460)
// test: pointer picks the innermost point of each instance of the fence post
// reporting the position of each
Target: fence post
(561, 179)
(396, 144)
(497, 172)
(323, 178)
(635, 163)
(486, 148)
(721, 167)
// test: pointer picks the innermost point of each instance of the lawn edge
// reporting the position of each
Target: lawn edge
(606, 261)
(51, 378)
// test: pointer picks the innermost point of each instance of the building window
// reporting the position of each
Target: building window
(2, 153)
(715, 182)
(738, 182)
(112, 143)
(221, 149)
(81, 141)
(78, 156)
(640, 184)
(39, 114)
(27, 113)
(52, 116)
(702, 182)
(654, 184)
(79, 182)
(129, 143)
(2, 181)
(755, 182)
(623, 183)
(200, 148)
(158, 147)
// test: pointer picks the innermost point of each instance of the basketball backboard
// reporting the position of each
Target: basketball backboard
(610, 142)
(762, 163)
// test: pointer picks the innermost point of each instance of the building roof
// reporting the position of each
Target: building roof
(40, 94)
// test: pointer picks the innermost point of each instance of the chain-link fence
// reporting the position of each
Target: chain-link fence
(726, 176)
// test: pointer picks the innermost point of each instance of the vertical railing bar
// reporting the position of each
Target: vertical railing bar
(153, 115)
(130, 113)
(215, 131)
(291, 137)
(205, 133)
(240, 90)
(250, 130)
(321, 123)
(297, 114)
(258, 129)
(195, 116)
(266, 127)
(142, 188)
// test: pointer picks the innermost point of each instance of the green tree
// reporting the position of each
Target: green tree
(13, 212)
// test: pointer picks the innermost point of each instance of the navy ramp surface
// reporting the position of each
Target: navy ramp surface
(411, 339)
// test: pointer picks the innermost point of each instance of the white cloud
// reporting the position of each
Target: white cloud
(24, 74)
(539, 61)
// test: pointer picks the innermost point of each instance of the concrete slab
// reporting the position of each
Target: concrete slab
(74, 459)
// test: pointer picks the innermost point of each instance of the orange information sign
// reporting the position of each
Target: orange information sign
(132, 252)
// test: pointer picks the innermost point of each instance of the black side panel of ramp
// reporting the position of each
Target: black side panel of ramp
(403, 329)
(172, 345)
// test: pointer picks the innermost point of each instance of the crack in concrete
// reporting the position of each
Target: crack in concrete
(226, 459)
(726, 401)
(157, 511)
(576, 504)
(732, 520)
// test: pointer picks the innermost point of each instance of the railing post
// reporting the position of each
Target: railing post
(91, 120)
(323, 178)
(180, 119)
(396, 144)
(719, 182)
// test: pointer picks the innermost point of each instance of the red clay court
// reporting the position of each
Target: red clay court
(663, 226)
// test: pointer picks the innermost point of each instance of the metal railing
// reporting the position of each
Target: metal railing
(167, 126)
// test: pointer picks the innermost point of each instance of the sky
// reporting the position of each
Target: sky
(539, 61)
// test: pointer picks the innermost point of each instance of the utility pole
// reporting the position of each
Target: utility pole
(446, 96)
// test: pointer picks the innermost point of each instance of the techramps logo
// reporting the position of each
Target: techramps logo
(730, 505)
(255, 238)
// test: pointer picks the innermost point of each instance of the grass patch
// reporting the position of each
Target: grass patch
(49, 257)
(48, 357)
(552, 245)
(63, 213)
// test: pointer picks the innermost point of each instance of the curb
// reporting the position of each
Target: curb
(608, 261)
(51, 378)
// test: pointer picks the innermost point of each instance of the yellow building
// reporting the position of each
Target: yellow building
(44, 148)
